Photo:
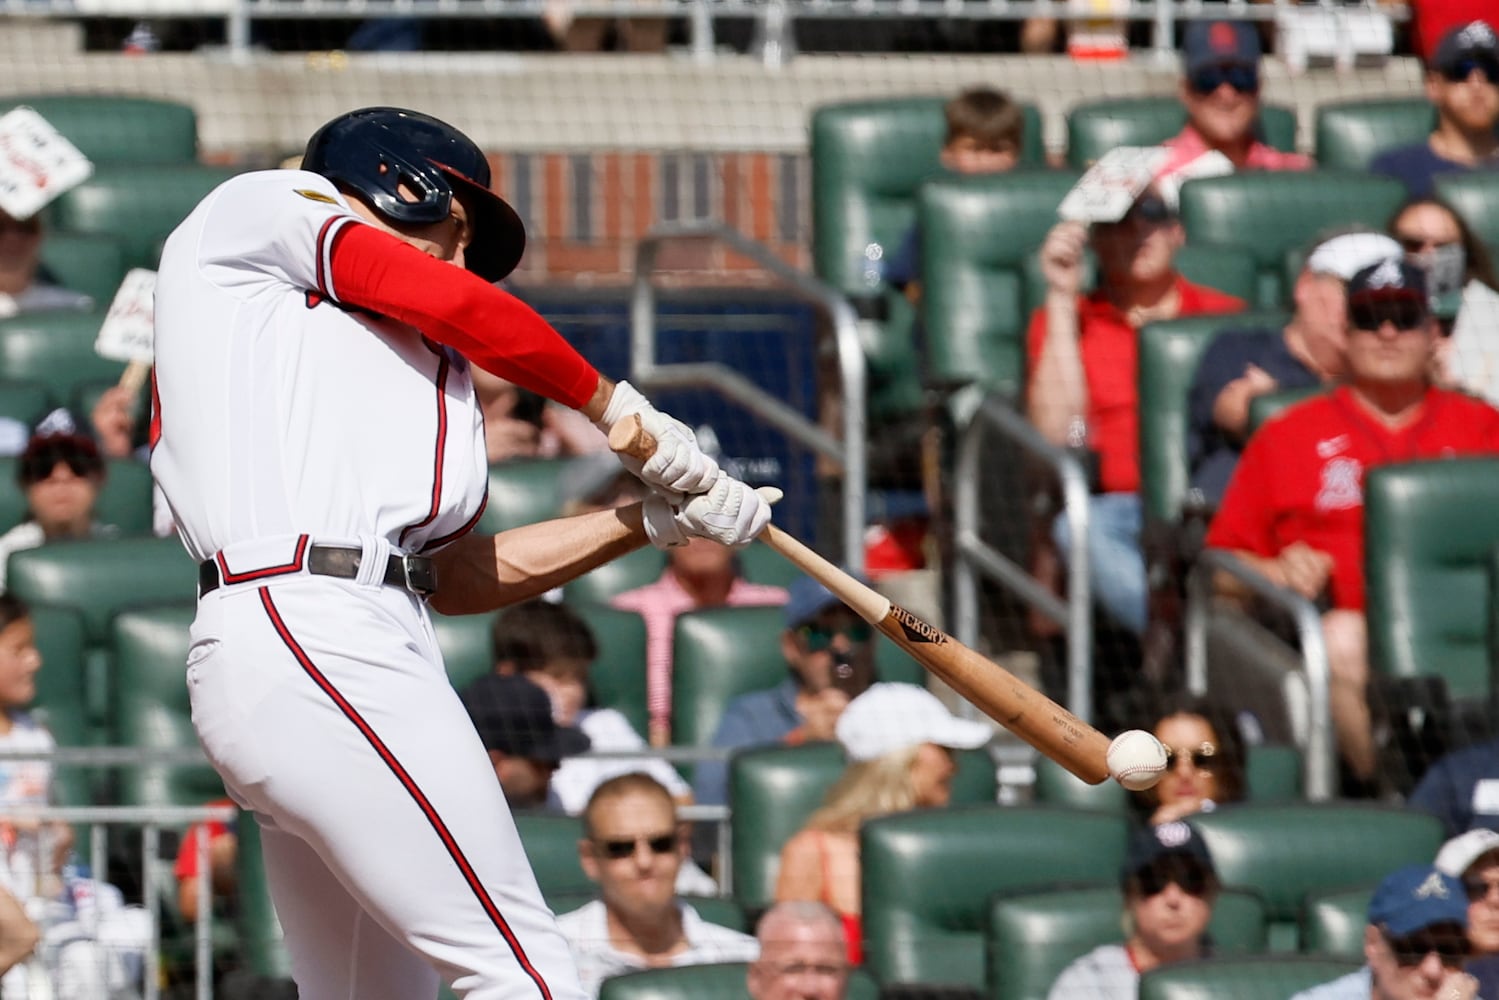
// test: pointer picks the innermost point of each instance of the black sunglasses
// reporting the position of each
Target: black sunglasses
(1192, 879)
(1405, 314)
(1244, 79)
(1412, 951)
(1479, 888)
(618, 850)
(1463, 68)
(1204, 757)
(818, 639)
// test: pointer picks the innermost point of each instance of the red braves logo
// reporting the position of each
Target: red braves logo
(1223, 38)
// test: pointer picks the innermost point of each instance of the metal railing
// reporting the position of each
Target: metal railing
(975, 557)
(1319, 756)
(851, 453)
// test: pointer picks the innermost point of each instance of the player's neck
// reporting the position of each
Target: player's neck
(1394, 404)
(653, 935)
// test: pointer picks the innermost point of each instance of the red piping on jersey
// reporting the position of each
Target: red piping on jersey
(442, 439)
(412, 788)
(437, 543)
(295, 566)
(153, 435)
(374, 270)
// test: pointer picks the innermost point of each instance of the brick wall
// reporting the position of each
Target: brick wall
(584, 212)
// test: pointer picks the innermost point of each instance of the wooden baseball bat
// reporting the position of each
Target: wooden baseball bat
(1001, 695)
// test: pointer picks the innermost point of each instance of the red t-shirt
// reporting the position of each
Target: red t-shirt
(187, 852)
(1110, 351)
(1301, 477)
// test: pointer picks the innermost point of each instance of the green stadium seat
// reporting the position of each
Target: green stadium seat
(1289, 851)
(62, 699)
(627, 572)
(1476, 197)
(1227, 269)
(522, 491)
(718, 653)
(25, 400)
(1030, 938)
(1333, 922)
(1095, 127)
(115, 128)
(1267, 213)
(12, 500)
(1273, 773)
(551, 842)
(775, 789)
(260, 934)
(1057, 786)
(977, 234)
(152, 708)
(960, 858)
(102, 577)
(125, 499)
(1429, 531)
(90, 263)
(467, 644)
(1351, 133)
(720, 981)
(762, 564)
(1262, 408)
(617, 678)
(55, 349)
(137, 204)
(1242, 977)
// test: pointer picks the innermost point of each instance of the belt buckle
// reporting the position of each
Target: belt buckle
(420, 577)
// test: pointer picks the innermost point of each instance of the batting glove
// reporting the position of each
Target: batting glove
(730, 513)
(678, 464)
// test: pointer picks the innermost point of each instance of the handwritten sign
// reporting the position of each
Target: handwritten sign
(37, 163)
(128, 330)
(1111, 185)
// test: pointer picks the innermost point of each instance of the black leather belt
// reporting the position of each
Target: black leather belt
(413, 573)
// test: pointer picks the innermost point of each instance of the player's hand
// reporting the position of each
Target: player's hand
(1062, 257)
(678, 465)
(1304, 569)
(729, 513)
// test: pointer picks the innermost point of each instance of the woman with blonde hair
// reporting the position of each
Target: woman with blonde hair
(899, 740)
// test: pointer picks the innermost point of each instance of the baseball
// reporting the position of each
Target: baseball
(1136, 759)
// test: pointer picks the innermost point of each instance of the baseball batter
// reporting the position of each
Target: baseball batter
(316, 435)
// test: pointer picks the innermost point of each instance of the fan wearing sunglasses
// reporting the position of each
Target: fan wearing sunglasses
(1294, 508)
(1205, 760)
(1170, 886)
(1220, 90)
(1415, 943)
(1462, 84)
(632, 847)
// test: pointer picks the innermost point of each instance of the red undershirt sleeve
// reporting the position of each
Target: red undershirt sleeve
(490, 327)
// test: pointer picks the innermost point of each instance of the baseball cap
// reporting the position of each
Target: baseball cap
(890, 716)
(1459, 853)
(1345, 255)
(1388, 280)
(806, 599)
(1473, 42)
(1417, 897)
(1176, 839)
(514, 716)
(1220, 43)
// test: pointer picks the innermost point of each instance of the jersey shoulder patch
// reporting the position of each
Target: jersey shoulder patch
(312, 195)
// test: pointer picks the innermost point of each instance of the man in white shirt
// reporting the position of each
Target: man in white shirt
(632, 847)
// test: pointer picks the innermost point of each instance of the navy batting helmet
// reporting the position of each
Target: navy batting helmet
(375, 150)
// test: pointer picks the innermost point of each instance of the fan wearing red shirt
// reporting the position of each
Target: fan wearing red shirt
(1083, 354)
(1294, 509)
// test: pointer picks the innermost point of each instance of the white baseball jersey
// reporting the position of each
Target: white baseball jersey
(284, 418)
(283, 413)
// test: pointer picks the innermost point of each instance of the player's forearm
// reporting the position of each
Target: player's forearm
(479, 573)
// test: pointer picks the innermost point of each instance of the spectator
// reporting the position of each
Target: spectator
(553, 648)
(1170, 887)
(19, 936)
(1462, 789)
(594, 34)
(1220, 89)
(1463, 287)
(801, 955)
(24, 283)
(519, 423)
(829, 653)
(91, 942)
(1473, 859)
(61, 475)
(514, 721)
(1462, 83)
(1414, 945)
(632, 847)
(1294, 508)
(700, 574)
(1244, 363)
(1083, 391)
(223, 853)
(985, 135)
(898, 739)
(1205, 755)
